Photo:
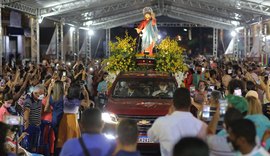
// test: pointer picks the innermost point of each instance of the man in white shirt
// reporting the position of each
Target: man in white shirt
(168, 130)
(242, 135)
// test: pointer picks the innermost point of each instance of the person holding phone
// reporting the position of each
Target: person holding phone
(55, 100)
(69, 126)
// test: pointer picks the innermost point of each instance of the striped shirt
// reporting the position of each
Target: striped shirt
(35, 110)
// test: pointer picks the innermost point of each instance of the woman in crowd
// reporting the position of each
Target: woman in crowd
(200, 96)
(56, 101)
(69, 127)
(213, 79)
(4, 110)
(255, 114)
(55, 104)
(188, 78)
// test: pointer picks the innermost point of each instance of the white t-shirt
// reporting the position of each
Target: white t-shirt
(257, 151)
(168, 130)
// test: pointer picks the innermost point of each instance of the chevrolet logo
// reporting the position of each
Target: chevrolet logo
(143, 122)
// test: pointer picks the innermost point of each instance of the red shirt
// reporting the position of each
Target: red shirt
(46, 115)
(3, 112)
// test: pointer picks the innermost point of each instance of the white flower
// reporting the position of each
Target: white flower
(179, 76)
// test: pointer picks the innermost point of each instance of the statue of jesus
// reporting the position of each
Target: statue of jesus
(148, 28)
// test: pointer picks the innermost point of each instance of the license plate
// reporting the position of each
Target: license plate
(144, 139)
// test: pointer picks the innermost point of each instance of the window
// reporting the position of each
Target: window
(144, 88)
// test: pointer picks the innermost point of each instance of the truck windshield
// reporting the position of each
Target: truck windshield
(144, 88)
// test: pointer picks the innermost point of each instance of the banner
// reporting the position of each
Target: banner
(53, 45)
(230, 48)
(255, 51)
(83, 48)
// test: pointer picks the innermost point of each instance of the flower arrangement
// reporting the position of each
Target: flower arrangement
(123, 58)
(169, 57)
(122, 55)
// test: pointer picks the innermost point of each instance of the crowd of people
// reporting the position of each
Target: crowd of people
(222, 109)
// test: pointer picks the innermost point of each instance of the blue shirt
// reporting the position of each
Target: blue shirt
(58, 109)
(125, 153)
(262, 123)
(102, 87)
(97, 145)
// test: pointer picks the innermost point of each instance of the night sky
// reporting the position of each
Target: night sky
(201, 41)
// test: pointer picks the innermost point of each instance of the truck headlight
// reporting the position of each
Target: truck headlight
(109, 118)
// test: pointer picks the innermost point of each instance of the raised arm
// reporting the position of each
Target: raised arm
(47, 105)
(85, 102)
(22, 89)
(212, 126)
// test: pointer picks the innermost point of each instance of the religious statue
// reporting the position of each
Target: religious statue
(148, 28)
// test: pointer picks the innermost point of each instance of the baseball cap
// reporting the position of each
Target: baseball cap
(238, 102)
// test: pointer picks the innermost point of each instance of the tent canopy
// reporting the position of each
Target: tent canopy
(97, 14)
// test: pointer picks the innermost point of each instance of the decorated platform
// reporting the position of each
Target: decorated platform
(124, 57)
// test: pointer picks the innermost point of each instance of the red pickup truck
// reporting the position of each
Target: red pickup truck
(140, 96)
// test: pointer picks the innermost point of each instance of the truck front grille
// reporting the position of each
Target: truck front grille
(143, 122)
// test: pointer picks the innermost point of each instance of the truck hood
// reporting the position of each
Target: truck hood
(155, 107)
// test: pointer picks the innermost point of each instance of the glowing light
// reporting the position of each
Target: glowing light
(72, 29)
(90, 32)
(233, 33)
(235, 23)
(159, 37)
(40, 19)
(239, 29)
(185, 29)
(179, 38)
(110, 136)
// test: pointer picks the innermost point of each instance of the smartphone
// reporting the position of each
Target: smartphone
(212, 87)
(13, 120)
(229, 71)
(91, 69)
(2, 82)
(203, 69)
(206, 111)
(192, 91)
(237, 92)
(64, 73)
(223, 106)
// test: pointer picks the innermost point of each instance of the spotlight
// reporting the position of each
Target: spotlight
(72, 29)
(40, 19)
(233, 33)
(90, 32)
